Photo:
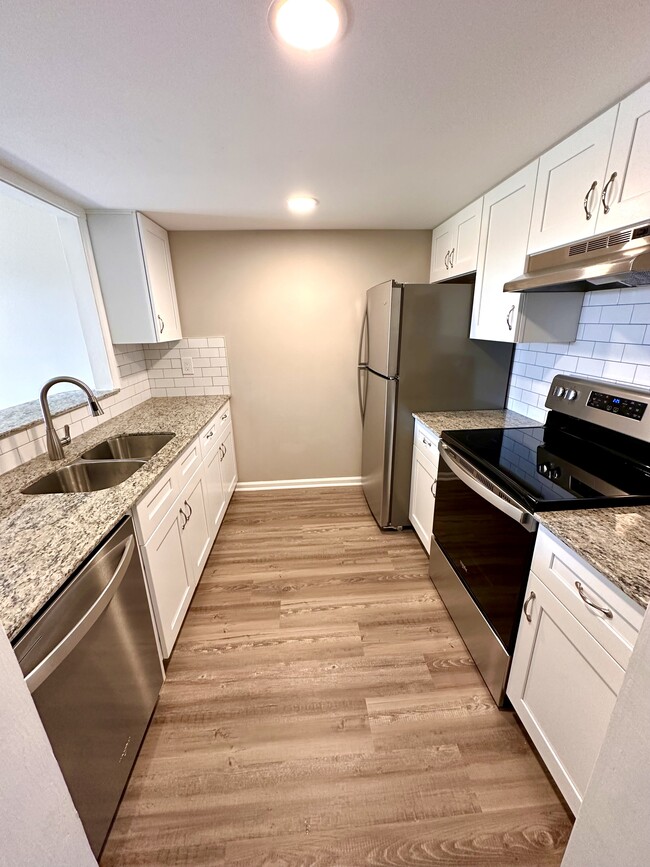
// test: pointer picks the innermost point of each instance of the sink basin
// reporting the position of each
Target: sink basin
(142, 446)
(84, 476)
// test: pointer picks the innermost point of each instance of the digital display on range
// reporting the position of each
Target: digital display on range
(617, 405)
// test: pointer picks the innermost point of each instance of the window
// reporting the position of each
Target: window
(49, 320)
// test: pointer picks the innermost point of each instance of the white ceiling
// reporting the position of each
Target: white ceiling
(190, 111)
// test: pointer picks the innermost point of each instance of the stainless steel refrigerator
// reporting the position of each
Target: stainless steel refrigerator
(415, 355)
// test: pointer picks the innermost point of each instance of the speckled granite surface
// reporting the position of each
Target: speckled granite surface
(26, 415)
(616, 542)
(473, 419)
(44, 538)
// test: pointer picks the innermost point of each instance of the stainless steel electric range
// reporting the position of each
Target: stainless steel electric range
(592, 452)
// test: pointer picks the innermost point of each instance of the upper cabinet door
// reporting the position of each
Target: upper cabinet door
(625, 198)
(569, 185)
(464, 251)
(507, 211)
(158, 266)
(441, 245)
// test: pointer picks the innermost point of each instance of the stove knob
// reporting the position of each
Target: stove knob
(543, 469)
(571, 394)
(558, 391)
(555, 474)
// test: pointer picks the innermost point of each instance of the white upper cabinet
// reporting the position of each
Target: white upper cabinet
(625, 198)
(570, 184)
(503, 241)
(136, 277)
(454, 245)
(510, 317)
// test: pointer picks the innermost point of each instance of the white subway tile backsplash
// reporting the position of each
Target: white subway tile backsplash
(613, 342)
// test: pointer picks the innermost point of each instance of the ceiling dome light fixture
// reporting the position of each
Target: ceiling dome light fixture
(307, 24)
(302, 204)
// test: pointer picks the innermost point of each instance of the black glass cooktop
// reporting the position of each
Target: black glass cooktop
(560, 465)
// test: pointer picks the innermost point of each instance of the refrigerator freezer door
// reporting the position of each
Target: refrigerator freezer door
(378, 441)
(384, 311)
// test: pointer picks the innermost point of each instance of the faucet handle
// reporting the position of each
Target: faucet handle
(66, 439)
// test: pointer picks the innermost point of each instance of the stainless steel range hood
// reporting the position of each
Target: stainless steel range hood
(613, 260)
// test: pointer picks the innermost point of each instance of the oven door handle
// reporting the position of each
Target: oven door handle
(494, 495)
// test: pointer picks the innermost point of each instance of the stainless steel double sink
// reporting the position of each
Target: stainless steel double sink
(107, 464)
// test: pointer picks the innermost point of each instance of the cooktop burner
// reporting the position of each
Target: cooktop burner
(570, 462)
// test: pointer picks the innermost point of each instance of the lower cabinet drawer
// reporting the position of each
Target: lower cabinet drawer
(605, 611)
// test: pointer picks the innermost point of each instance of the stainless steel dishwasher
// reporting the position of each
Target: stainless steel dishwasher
(91, 663)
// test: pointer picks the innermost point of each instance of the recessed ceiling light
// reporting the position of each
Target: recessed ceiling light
(302, 204)
(307, 24)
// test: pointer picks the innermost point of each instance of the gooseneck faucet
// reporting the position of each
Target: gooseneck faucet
(54, 443)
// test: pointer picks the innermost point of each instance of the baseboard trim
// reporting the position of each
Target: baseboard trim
(287, 484)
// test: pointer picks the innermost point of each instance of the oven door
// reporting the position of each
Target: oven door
(488, 539)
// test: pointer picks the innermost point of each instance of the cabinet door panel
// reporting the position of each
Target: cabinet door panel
(507, 212)
(465, 243)
(158, 263)
(169, 582)
(195, 536)
(563, 685)
(566, 173)
(228, 465)
(440, 248)
(422, 497)
(214, 493)
(628, 194)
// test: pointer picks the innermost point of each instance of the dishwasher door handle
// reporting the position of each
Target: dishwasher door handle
(56, 656)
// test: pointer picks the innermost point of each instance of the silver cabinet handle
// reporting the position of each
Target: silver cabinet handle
(185, 519)
(447, 260)
(221, 453)
(162, 324)
(588, 213)
(603, 198)
(426, 442)
(433, 488)
(529, 601)
(185, 503)
(451, 257)
(208, 436)
(224, 416)
(56, 656)
(509, 317)
(591, 604)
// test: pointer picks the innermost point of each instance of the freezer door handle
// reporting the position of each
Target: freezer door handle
(362, 365)
(52, 661)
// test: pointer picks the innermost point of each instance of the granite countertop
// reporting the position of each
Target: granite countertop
(473, 419)
(44, 538)
(616, 542)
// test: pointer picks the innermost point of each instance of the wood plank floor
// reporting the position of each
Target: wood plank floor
(321, 710)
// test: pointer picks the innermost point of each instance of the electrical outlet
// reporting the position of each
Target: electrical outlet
(187, 366)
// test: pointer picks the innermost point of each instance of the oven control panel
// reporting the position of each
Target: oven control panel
(621, 405)
(617, 407)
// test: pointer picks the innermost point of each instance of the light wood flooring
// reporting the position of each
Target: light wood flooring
(320, 710)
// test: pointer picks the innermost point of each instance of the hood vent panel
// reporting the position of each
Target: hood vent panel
(616, 259)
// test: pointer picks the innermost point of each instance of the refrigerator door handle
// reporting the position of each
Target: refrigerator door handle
(362, 365)
(362, 392)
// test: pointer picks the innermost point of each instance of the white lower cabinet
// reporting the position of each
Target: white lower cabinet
(423, 483)
(169, 582)
(178, 519)
(569, 662)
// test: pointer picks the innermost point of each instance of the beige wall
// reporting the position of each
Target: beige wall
(290, 306)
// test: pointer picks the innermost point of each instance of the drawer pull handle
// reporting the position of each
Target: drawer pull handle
(587, 601)
(433, 488)
(426, 442)
(211, 434)
(224, 416)
(185, 519)
(190, 509)
(529, 601)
